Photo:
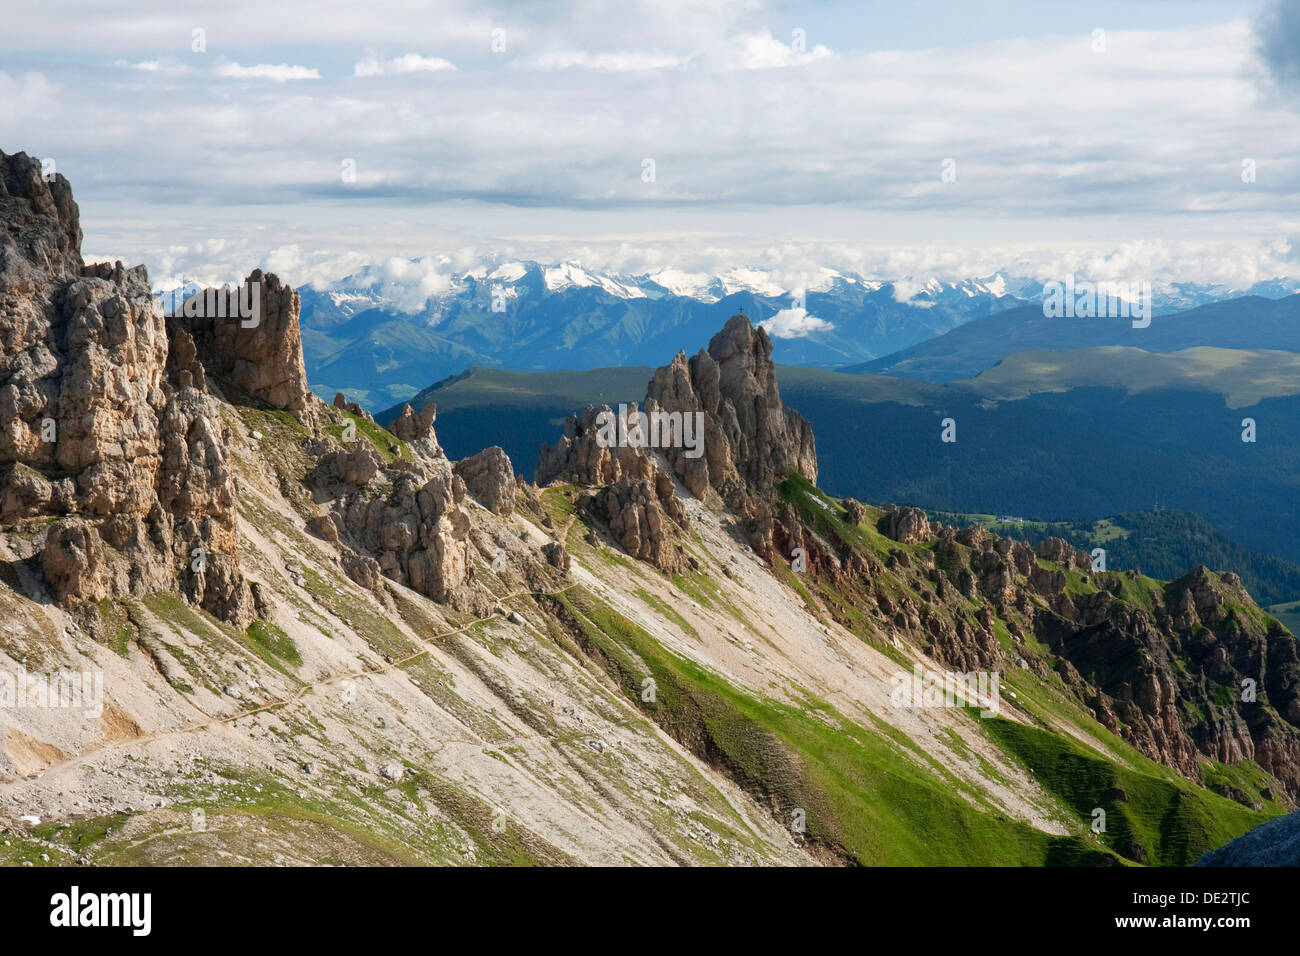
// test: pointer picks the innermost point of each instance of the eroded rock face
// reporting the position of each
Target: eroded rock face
(749, 435)
(341, 401)
(581, 455)
(261, 355)
(105, 418)
(906, 525)
(1060, 551)
(417, 430)
(633, 495)
(43, 236)
(357, 466)
(74, 562)
(417, 534)
(490, 478)
(644, 516)
(718, 422)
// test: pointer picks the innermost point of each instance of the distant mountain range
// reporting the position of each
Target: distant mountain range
(359, 339)
(381, 339)
(1248, 322)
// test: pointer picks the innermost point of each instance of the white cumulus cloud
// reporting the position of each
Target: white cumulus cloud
(762, 51)
(267, 71)
(372, 65)
(794, 324)
(165, 64)
(610, 62)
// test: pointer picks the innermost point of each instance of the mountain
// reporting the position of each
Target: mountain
(1170, 296)
(383, 348)
(244, 626)
(1165, 544)
(1249, 322)
(1054, 436)
(1275, 843)
(383, 333)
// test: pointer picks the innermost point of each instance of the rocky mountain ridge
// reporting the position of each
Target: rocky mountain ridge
(647, 656)
(1184, 671)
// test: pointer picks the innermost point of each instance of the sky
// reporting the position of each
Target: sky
(1136, 140)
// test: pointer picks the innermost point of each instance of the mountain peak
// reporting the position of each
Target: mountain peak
(42, 219)
(717, 421)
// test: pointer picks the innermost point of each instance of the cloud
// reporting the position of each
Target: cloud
(767, 155)
(908, 288)
(410, 284)
(166, 64)
(24, 97)
(762, 51)
(794, 324)
(1278, 33)
(267, 71)
(372, 65)
(610, 62)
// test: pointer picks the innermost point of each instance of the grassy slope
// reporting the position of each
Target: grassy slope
(868, 801)
(1244, 377)
(1153, 815)
(863, 800)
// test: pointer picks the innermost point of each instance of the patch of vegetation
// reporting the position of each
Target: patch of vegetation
(378, 631)
(861, 798)
(272, 643)
(177, 611)
(696, 586)
(1255, 620)
(662, 608)
(389, 446)
(117, 624)
(1246, 782)
(1136, 589)
(1153, 820)
(829, 518)
(1077, 584)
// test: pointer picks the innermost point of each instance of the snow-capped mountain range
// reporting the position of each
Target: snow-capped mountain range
(393, 328)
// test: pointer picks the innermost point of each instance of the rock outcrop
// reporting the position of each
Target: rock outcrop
(352, 408)
(715, 420)
(417, 430)
(749, 436)
(416, 535)
(106, 424)
(260, 353)
(905, 525)
(631, 493)
(490, 478)
(1275, 843)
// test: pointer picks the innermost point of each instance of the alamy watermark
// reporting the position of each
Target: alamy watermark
(243, 303)
(657, 429)
(924, 689)
(62, 690)
(1075, 298)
